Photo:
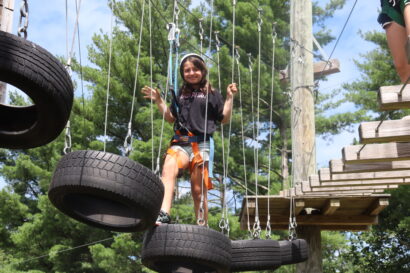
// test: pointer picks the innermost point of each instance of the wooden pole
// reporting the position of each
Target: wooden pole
(6, 24)
(303, 118)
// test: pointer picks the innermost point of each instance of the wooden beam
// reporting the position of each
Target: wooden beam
(322, 227)
(377, 206)
(367, 153)
(389, 97)
(353, 188)
(328, 220)
(326, 176)
(338, 166)
(387, 131)
(320, 69)
(299, 206)
(331, 206)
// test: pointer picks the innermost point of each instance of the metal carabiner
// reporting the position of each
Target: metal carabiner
(23, 14)
(128, 141)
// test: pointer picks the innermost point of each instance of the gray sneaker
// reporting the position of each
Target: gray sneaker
(163, 218)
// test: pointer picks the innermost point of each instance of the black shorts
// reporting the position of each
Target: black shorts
(392, 11)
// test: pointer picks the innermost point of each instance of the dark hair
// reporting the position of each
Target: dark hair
(204, 85)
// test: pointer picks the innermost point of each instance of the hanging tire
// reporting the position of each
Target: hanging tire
(171, 247)
(44, 79)
(293, 252)
(107, 191)
(252, 255)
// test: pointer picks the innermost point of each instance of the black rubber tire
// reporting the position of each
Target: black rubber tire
(107, 191)
(191, 247)
(252, 255)
(44, 79)
(293, 252)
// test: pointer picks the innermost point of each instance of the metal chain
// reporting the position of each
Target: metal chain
(22, 28)
(67, 139)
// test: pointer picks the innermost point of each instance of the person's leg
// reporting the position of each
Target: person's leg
(396, 39)
(198, 188)
(406, 15)
(169, 176)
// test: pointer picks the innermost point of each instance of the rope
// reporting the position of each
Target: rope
(81, 71)
(268, 226)
(223, 224)
(108, 80)
(256, 226)
(67, 139)
(128, 138)
(61, 251)
(243, 139)
(151, 85)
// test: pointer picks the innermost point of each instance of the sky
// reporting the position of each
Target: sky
(47, 27)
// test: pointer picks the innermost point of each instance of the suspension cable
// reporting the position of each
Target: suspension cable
(274, 34)
(223, 224)
(128, 138)
(256, 226)
(151, 85)
(67, 138)
(108, 77)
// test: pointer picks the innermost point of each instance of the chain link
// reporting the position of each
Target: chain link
(67, 139)
(128, 141)
(256, 228)
(268, 233)
(22, 28)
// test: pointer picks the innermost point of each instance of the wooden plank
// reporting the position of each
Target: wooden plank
(398, 181)
(387, 131)
(320, 69)
(326, 176)
(367, 153)
(329, 220)
(390, 99)
(377, 206)
(354, 188)
(338, 166)
(331, 206)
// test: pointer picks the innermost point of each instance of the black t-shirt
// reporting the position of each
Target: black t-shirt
(192, 108)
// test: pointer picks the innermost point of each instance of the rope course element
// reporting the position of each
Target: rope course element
(108, 79)
(151, 84)
(67, 138)
(256, 225)
(22, 27)
(60, 251)
(274, 35)
(128, 138)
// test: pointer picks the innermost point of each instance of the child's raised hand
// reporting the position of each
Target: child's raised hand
(151, 93)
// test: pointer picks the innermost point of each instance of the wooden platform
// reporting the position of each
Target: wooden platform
(390, 99)
(352, 213)
(339, 166)
(385, 131)
(369, 153)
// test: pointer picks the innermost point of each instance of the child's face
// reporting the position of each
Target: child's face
(192, 74)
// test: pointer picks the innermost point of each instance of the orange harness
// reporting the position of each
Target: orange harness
(196, 161)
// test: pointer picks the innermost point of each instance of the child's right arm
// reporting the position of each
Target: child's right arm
(154, 95)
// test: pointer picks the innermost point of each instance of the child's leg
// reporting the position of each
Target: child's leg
(169, 176)
(406, 15)
(396, 39)
(198, 188)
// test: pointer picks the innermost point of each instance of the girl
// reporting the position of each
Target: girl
(193, 126)
(395, 19)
